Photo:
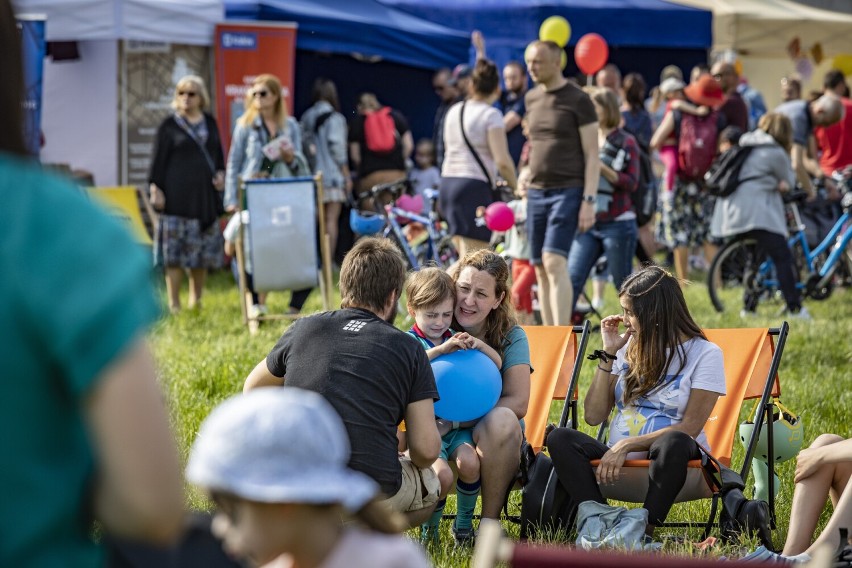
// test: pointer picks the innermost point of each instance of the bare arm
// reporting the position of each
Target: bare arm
(478, 41)
(689, 108)
(601, 397)
(511, 119)
(230, 248)
(797, 155)
(355, 154)
(139, 490)
(260, 376)
(424, 442)
(489, 351)
(499, 148)
(516, 390)
(664, 130)
(407, 145)
(589, 141)
(811, 460)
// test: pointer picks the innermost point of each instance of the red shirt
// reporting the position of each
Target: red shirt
(835, 142)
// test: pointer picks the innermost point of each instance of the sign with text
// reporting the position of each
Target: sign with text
(33, 47)
(244, 51)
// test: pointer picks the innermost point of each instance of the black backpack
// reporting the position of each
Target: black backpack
(546, 508)
(723, 177)
(645, 196)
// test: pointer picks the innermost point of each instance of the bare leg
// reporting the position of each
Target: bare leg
(598, 291)
(681, 262)
(332, 214)
(445, 476)
(560, 291)
(498, 442)
(418, 517)
(710, 251)
(842, 517)
(196, 286)
(174, 277)
(647, 239)
(809, 499)
(467, 463)
(543, 295)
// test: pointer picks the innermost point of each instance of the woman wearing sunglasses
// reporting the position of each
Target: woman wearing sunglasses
(186, 179)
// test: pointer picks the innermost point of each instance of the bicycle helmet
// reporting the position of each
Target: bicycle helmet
(365, 222)
(787, 435)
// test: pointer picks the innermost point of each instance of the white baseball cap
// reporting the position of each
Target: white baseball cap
(671, 85)
(278, 445)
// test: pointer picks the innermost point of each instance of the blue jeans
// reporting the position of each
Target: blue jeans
(615, 239)
(552, 220)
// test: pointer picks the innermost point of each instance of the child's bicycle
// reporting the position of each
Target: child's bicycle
(740, 276)
(432, 245)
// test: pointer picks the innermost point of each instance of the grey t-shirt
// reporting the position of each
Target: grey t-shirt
(797, 112)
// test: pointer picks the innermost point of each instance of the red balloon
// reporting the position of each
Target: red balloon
(591, 53)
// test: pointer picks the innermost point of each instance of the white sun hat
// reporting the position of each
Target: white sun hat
(278, 445)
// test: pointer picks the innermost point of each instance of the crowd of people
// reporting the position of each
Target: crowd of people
(334, 447)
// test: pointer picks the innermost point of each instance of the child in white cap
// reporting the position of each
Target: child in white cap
(275, 463)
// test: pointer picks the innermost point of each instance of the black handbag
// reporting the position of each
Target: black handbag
(499, 191)
(739, 515)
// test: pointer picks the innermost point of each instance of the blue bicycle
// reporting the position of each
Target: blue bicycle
(422, 238)
(740, 275)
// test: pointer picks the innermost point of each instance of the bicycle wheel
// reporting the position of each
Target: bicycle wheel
(733, 275)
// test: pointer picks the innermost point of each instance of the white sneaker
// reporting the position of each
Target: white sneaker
(802, 314)
(598, 304)
(745, 314)
(256, 310)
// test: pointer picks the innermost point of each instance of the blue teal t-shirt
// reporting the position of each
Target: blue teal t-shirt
(75, 294)
(516, 349)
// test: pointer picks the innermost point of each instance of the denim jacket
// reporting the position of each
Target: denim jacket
(246, 154)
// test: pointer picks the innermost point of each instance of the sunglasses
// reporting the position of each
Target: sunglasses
(189, 94)
(260, 94)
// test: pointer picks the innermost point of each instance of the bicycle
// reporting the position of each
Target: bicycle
(435, 247)
(738, 274)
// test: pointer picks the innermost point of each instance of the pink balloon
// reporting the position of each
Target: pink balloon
(410, 203)
(498, 217)
(591, 53)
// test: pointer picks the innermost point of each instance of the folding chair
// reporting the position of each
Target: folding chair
(752, 359)
(556, 354)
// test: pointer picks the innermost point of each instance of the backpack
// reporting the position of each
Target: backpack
(309, 142)
(723, 177)
(380, 131)
(645, 196)
(546, 508)
(697, 138)
(615, 156)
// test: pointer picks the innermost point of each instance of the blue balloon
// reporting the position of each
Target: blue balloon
(469, 384)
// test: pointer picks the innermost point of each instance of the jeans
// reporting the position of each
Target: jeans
(572, 450)
(616, 240)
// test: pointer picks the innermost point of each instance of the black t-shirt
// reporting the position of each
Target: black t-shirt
(368, 370)
(371, 161)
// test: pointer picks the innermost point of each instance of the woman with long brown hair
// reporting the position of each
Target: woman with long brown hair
(663, 377)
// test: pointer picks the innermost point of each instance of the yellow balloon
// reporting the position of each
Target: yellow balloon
(738, 66)
(563, 60)
(555, 29)
(843, 63)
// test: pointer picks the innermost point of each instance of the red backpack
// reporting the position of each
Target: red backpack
(697, 139)
(380, 131)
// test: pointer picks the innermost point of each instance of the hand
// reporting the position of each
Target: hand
(783, 186)
(612, 339)
(466, 340)
(808, 463)
(702, 111)
(157, 198)
(478, 42)
(287, 153)
(452, 345)
(230, 208)
(347, 184)
(219, 180)
(609, 469)
(586, 219)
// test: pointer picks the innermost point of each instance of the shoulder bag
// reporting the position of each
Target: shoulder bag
(498, 193)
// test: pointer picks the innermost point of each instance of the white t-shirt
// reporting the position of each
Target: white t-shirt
(664, 406)
(359, 548)
(479, 118)
(231, 233)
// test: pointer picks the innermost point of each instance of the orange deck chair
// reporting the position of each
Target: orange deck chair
(556, 355)
(751, 371)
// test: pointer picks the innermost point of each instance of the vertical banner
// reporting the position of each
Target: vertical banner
(148, 74)
(33, 49)
(244, 51)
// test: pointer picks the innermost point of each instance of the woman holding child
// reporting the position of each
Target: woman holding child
(663, 377)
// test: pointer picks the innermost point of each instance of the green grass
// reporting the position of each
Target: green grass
(204, 357)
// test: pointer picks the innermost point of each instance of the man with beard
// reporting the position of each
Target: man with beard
(511, 104)
(447, 92)
(373, 374)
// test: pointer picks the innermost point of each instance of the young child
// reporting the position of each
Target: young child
(431, 295)
(518, 249)
(275, 463)
(425, 174)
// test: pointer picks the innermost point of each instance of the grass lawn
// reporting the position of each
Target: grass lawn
(204, 357)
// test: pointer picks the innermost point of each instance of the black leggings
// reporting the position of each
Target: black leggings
(775, 247)
(571, 451)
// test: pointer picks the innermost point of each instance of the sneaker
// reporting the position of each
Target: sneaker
(747, 314)
(597, 304)
(802, 314)
(763, 555)
(464, 536)
(583, 306)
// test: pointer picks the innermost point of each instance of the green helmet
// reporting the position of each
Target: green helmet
(787, 436)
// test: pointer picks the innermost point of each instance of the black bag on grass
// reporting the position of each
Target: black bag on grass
(546, 508)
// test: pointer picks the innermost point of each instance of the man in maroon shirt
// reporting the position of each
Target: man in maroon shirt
(734, 108)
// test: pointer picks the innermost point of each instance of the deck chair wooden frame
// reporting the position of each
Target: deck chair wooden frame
(752, 357)
(325, 278)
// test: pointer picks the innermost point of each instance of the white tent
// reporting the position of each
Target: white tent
(178, 21)
(81, 118)
(760, 30)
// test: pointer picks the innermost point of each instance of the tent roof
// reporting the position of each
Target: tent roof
(176, 21)
(765, 27)
(365, 27)
(627, 23)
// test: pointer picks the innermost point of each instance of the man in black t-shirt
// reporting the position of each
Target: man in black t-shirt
(373, 374)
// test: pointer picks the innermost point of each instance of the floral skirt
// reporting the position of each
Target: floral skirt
(181, 243)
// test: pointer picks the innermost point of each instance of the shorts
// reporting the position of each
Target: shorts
(687, 212)
(451, 441)
(552, 220)
(410, 495)
(181, 243)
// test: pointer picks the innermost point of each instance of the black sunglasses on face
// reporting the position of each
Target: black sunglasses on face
(189, 94)
(260, 94)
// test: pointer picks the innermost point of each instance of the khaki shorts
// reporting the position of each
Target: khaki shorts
(410, 495)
